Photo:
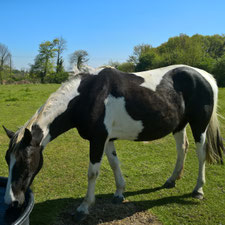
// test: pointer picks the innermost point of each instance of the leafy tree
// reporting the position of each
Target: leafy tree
(43, 64)
(149, 59)
(47, 52)
(174, 50)
(138, 51)
(79, 58)
(216, 46)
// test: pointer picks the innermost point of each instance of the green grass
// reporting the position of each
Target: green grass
(63, 178)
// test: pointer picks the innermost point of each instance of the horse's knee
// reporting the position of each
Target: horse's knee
(93, 171)
(92, 175)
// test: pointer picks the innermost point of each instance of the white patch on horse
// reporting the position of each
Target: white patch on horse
(89, 199)
(118, 122)
(9, 196)
(201, 153)
(153, 77)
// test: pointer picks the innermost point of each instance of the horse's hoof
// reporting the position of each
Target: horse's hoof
(117, 199)
(169, 184)
(79, 216)
(197, 195)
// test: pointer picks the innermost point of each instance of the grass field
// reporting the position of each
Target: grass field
(63, 178)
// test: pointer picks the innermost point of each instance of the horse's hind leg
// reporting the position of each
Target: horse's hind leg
(201, 153)
(199, 128)
(182, 146)
(114, 163)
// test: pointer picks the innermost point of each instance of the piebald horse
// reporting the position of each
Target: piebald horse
(108, 105)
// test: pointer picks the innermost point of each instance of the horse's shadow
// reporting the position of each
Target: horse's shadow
(104, 210)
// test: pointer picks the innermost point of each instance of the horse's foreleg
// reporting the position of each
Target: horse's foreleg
(114, 163)
(89, 199)
(96, 152)
(182, 146)
(200, 150)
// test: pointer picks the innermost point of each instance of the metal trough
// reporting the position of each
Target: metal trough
(10, 216)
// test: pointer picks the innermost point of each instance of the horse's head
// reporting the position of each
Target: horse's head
(24, 159)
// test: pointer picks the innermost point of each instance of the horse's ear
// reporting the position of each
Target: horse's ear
(27, 137)
(9, 133)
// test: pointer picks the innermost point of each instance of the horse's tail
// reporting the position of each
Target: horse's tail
(214, 145)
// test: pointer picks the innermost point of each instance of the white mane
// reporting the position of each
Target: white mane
(58, 102)
(55, 105)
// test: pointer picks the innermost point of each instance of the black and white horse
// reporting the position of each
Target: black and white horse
(110, 105)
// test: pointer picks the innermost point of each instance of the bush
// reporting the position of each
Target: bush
(57, 77)
(126, 67)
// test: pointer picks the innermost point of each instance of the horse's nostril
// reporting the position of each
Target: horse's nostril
(15, 204)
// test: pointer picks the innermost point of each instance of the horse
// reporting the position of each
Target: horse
(108, 105)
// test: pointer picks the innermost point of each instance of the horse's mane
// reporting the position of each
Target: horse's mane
(55, 104)
(58, 101)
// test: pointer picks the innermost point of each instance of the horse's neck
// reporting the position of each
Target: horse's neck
(53, 116)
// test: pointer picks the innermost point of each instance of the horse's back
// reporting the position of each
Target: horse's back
(151, 104)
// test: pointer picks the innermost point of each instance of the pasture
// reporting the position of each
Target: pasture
(61, 184)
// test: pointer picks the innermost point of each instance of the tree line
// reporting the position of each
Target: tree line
(204, 52)
(48, 66)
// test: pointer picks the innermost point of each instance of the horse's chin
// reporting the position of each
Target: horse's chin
(19, 200)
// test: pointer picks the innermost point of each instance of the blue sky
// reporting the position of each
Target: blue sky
(107, 30)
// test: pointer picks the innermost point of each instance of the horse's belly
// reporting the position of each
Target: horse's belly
(127, 131)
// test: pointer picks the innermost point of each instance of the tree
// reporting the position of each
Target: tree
(149, 59)
(44, 60)
(60, 46)
(5, 57)
(138, 51)
(216, 46)
(79, 57)
(145, 57)
(47, 52)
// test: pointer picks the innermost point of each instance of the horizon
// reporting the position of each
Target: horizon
(108, 32)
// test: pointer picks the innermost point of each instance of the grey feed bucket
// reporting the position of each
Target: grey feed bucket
(10, 216)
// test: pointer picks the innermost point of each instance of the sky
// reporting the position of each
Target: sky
(107, 30)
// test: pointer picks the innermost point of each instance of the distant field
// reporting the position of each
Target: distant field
(63, 178)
